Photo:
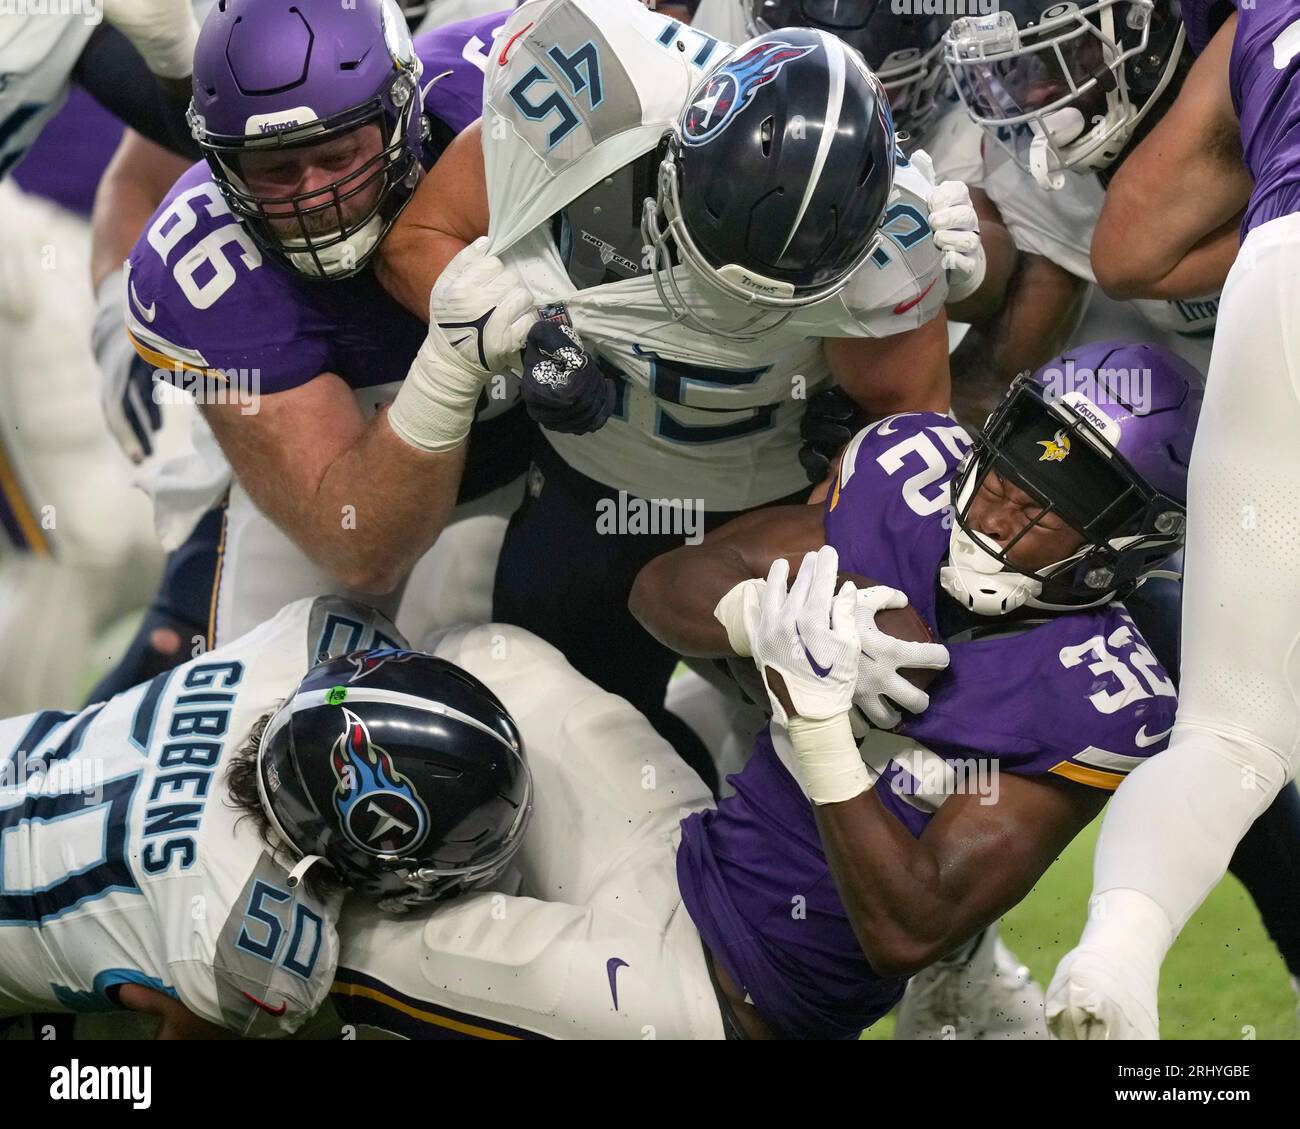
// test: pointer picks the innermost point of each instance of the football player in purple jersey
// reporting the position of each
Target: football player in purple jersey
(257, 264)
(1211, 198)
(859, 846)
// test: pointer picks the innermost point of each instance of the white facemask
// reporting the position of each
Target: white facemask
(980, 582)
(342, 257)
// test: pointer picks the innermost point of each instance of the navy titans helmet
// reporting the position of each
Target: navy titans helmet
(402, 772)
(776, 178)
(902, 48)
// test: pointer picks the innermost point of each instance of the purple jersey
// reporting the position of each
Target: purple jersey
(203, 298)
(1264, 77)
(69, 158)
(1076, 695)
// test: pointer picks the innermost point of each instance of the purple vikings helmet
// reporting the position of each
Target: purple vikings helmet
(274, 77)
(1102, 437)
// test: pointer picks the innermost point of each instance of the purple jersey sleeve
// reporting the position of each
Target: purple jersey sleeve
(890, 507)
(1264, 78)
(1202, 18)
(202, 298)
(455, 59)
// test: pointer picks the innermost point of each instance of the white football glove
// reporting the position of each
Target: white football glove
(479, 315)
(163, 31)
(738, 611)
(484, 308)
(880, 685)
(809, 638)
(126, 379)
(957, 235)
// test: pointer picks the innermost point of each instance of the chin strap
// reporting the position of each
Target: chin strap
(1060, 128)
(299, 871)
(980, 582)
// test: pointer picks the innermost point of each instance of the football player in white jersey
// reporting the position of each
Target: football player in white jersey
(1039, 184)
(42, 53)
(134, 876)
(728, 231)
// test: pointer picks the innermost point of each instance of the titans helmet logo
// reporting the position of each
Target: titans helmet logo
(730, 88)
(364, 662)
(1054, 449)
(378, 809)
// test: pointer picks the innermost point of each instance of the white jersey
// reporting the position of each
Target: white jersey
(123, 862)
(37, 54)
(722, 19)
(698, 416)
(1059, 224)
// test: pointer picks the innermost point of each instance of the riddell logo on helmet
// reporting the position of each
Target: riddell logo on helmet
(279, 122)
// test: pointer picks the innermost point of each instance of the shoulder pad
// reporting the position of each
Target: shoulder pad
(273, 962)
(1130, 700)
(338, 626)
(202, 300)
(902, 284)
(900, 446)
(578, 89)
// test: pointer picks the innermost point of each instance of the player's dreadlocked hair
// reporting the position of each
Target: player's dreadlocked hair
(241, 784)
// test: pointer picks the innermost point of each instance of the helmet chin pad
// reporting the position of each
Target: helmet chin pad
(981, 583)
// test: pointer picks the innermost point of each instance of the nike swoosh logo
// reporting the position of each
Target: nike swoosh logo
(146, 312)
(903, 307)
(820, 671)
(611, 967)
(501, 59)
(458, 344)
(1142, 741)
(276, 1011)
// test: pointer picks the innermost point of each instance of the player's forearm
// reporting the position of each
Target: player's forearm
(674, 597)
(891, 885)
(1178, 273)
(134, 184)
(447, 213)
(412, 259)
(367, 513)
(380, 506)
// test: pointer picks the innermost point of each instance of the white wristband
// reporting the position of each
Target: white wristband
(730, 612)
(434, 409)
(967, 286)
(830, 765)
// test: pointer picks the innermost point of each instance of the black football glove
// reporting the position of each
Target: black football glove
(829, 421)
(563, 388)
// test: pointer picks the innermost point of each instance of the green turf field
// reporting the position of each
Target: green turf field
(1222, 980)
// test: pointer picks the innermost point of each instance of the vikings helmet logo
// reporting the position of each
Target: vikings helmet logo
(364, 662)
(378, 809)
(730, 88)
(1054, 449)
